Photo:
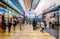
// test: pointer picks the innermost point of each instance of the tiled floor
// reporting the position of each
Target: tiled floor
(26, 33)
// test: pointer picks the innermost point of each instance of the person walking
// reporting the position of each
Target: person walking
(45, 24)
(53, 24)
(14, 23)
(34, 23)
(9, 26)
(42, 27)
(20, 23)
(50, 24)
(3, 24)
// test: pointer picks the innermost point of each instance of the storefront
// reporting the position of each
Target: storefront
(50, 17)
(59, 17)
(59, 24)
(53, 15)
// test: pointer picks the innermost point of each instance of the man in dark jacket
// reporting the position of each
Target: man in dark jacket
(34, 23)
(3, 24)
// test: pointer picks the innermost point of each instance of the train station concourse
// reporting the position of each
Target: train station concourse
(29, 19)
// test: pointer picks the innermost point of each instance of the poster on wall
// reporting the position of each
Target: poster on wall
(0, 21)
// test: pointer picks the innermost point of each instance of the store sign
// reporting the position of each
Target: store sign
(51, 6)
(44, 10)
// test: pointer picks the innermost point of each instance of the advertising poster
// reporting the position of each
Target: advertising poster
(0, 21)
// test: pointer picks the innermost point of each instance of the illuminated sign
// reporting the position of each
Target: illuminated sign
(51, 6)
(44, 10)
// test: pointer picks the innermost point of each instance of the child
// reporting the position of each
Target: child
(42, 27)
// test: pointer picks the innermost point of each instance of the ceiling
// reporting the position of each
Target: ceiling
(36, 6)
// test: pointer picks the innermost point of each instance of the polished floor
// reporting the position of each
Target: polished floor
(27, 32)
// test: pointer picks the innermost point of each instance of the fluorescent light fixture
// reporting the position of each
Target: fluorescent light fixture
(11, 4)
(22, 4)
(10, 12)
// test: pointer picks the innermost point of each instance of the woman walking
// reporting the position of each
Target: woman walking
(9, 26)
(20, 23)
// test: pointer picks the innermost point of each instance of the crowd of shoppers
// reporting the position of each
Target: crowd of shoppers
(14, 22)
(11, 23)
(8, 24)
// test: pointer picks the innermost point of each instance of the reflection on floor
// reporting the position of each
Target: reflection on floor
(26, 33)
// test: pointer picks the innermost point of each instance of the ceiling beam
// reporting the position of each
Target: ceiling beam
(36, 4)
(27, 4)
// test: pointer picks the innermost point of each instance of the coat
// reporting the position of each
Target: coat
(4, 25)
(34, 22)
(9, 24)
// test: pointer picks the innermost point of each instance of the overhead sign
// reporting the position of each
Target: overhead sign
(53, 5)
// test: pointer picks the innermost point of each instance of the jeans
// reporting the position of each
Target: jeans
(42, 30)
